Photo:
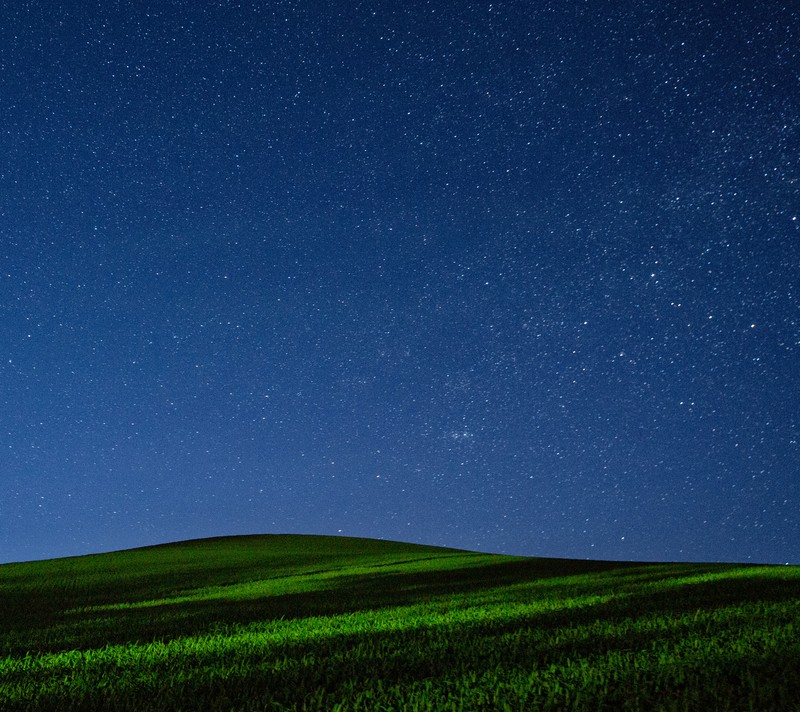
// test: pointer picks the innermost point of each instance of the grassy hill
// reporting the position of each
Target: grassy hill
(333, 623)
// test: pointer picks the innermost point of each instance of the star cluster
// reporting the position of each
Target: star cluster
(518, 277)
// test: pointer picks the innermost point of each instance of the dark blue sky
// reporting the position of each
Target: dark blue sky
(513, 276)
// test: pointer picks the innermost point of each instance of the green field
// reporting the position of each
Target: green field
(332, 623)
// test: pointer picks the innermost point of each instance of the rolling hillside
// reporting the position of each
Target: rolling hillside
(321, 623)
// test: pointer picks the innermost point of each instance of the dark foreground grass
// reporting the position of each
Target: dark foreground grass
(327, 623)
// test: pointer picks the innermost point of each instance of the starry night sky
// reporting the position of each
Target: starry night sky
(511, 276)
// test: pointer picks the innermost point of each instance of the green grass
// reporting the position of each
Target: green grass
(331, 623)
